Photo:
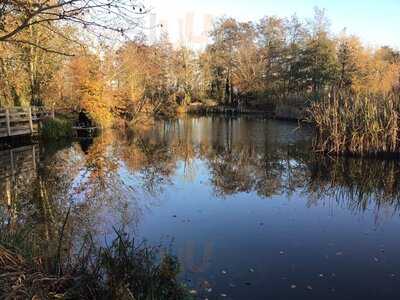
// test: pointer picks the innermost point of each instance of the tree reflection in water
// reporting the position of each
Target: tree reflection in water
(359, 184)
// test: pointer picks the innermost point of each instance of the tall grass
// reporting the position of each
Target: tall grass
(364, 125)
(122, 270)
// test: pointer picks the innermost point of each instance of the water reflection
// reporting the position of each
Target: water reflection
(360, 184)
(241, 156)
(189, 179)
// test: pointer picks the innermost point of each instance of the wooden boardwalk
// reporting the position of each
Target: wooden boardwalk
(18, 121)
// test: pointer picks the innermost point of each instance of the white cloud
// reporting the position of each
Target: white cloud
(187, 24)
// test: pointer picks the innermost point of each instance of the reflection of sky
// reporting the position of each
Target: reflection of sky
(244, 231)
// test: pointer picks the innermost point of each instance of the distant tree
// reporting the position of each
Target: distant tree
(319, 61)
(348, 54)
(389, 54)
(225, 39)
(296, 39)
(184, 74)
(249, 63)
(272, 41)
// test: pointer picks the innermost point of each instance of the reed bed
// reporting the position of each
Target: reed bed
(362, 125)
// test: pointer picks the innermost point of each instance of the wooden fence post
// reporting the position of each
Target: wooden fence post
(8, 122)
(34, 157)
(30, 119)
(8, 192)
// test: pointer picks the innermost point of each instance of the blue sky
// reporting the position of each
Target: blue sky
(376, 22)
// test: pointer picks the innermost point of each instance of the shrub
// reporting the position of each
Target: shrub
(56, 128)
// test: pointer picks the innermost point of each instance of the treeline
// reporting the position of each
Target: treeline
(245, 63)
(280, 57)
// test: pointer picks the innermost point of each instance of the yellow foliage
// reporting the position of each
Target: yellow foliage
(87, 88)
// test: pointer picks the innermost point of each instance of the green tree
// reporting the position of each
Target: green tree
(319, 61)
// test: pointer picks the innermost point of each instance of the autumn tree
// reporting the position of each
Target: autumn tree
(184, 74)
(147, 79)
(225, 39)
(40, 34)
(86, 88)
(249, 63)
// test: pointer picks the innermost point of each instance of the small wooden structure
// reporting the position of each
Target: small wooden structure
(18, 121)
(82, 131)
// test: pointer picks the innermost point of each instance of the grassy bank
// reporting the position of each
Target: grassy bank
(59, 127)
(122, 270)
(366, 125)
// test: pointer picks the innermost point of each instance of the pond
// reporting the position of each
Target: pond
(248, 208)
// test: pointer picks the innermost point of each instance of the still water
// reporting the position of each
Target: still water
(249, 210)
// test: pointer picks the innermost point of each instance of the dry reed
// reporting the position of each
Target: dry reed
(364, 125)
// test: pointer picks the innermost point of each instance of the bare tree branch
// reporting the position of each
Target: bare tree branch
(119, 16)
(40, 47)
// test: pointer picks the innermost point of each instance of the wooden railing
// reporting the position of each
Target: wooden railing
(18, 170)
(17, 161)
(22, 120)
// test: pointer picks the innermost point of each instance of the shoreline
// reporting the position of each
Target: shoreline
(276, 112)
